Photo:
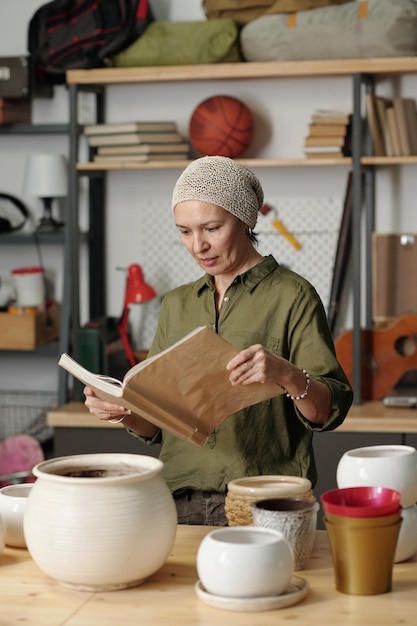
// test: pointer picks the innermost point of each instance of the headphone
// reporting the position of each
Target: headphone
(10, 208)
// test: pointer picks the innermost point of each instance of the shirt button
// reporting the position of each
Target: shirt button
(226, 299)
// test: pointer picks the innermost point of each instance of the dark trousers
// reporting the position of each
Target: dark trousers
(204, 508)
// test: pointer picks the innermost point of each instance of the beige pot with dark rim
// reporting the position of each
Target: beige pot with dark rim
(99, 522)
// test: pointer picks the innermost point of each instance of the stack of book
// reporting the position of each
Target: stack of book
(328, 135)
(136, 142)
(392, 124)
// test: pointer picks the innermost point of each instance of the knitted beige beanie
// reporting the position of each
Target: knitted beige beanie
(222, 181)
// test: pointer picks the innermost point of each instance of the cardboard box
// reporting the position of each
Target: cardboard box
(394, 262)
(28, 331)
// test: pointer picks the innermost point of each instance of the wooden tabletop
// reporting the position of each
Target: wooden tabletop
(28, 596)
(371, 417)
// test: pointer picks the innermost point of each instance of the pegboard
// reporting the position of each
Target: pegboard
(315, 222)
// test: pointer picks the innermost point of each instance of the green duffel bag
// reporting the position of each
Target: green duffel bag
(183, 43)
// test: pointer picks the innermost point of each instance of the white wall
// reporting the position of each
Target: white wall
(281, 109)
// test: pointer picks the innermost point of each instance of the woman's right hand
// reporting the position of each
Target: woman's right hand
(100, 408)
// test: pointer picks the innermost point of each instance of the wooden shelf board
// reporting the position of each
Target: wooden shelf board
(371, 417)
(250, 162)
(244, 70)
(399, 160)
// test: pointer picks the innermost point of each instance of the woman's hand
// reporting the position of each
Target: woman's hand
(103, 410)
(113, 413)
(257, 364)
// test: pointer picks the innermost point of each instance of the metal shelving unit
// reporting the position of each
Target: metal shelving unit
(57, 238)
(363, 73)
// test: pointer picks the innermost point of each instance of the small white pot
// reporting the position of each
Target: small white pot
(13, 500)
(245, 562)
(390, 466)
(100, 521)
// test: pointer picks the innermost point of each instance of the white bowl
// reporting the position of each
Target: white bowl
(390, 466)
(13, 499)
(245, 562)
(407, 539)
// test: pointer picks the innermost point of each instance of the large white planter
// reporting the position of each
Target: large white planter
(100, 521)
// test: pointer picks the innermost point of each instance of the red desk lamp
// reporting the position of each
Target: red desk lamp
(137, 291)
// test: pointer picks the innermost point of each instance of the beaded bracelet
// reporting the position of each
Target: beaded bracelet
(305, 392)
(117, 421)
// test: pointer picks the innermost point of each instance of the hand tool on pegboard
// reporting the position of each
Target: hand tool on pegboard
(276, 223)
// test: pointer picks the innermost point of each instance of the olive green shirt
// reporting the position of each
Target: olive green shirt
(279, 309)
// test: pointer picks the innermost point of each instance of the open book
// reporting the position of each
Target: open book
(184, 389)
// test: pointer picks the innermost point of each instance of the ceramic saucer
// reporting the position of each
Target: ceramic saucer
(295, 591)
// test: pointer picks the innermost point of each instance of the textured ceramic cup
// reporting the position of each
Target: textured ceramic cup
(245, 562)
(391, 466)
(100, 521)
(296, 518)
(13, 500)
(363, 557)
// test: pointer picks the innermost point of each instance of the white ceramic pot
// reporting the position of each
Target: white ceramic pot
(100, 521)
(407, 539)
(245, 562)
(13, 500)
(390, 466)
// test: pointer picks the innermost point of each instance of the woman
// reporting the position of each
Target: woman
(277, 321)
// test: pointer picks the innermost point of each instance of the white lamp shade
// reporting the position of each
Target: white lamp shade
(46, 176)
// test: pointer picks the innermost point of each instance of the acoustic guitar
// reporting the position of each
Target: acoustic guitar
(387, 353)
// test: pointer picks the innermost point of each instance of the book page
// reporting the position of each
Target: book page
(100, 383)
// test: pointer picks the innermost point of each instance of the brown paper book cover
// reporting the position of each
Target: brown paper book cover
(125, 139)
(129, 127)
(184, 389)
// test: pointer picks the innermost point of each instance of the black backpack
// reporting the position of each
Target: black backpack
(82, 34)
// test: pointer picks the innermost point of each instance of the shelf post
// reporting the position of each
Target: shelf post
(356, 236)
(70, 311)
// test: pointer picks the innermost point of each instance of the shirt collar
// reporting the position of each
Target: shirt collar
(249, 279)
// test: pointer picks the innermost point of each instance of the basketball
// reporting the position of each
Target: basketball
(221, 126)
